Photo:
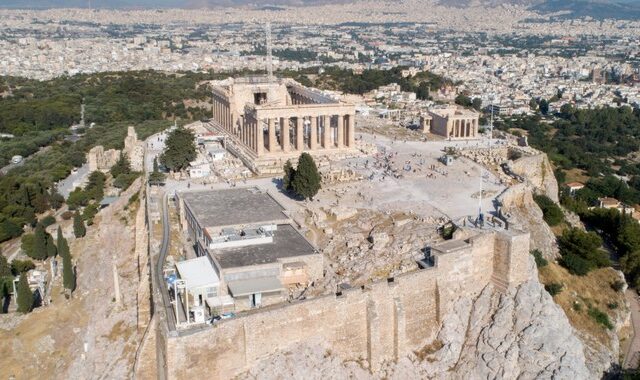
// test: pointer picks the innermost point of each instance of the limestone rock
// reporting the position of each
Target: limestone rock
(538, 171)
(518, 206)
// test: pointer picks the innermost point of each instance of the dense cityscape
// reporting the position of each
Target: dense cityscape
(365, 190)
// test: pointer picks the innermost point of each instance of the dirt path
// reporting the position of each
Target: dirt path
(632, 356)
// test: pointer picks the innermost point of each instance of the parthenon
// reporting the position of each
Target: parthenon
(273, 117)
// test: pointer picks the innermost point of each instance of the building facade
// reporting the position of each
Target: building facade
(452, 122)
(280, 116)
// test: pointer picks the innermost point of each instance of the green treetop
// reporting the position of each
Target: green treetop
(180, 150)
(306, 182)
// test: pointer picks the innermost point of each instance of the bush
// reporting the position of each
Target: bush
(553, 288)
(617, 285)
(48, 220)
(581, 251)
(67, 215)
(123, 181)
(21, 266)
(540, 260)
(552, 213)
(612, 305)
(577, 306)
(600, 317)
(576, 264)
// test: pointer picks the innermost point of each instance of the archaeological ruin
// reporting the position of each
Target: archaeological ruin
(281, 118)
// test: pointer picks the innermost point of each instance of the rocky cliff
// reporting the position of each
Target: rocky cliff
(537, 170)
(520, 334)
(518, 206)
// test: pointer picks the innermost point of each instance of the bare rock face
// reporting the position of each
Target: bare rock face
(522, 334)
(538, 171)
(519, 208)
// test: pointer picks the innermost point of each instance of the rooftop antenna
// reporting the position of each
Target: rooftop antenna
(269, 56)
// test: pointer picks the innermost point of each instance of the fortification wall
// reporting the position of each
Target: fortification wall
(379, 322)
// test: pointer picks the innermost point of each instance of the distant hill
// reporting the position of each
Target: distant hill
(623, 10)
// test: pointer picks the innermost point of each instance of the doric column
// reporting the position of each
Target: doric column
(340, 131)
(299, 133)
(326, 131)
(351, 131)
(313, 139)
(260, 131)
(284, 133)
(272, 135)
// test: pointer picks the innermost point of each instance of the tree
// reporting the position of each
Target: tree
(306, 181)
(533, 104)
(581, 251)
(52, 250)
(122, 166)
(156, 177)
(289, 175)
(79, 230)
(25, 296)
(476, 104)
(68, 275)
(180, 150)
(463, 100)
(63, 247)
(39, 243)
(552, 214)
(544, 106)
(5, 268)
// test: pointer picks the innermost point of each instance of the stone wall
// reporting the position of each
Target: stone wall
(379, 322)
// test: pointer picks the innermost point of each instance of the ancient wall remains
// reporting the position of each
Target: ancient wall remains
(379, 322)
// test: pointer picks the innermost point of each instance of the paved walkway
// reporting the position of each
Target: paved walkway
(632, 356)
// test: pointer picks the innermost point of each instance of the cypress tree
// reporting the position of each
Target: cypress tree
(5, 268)
(25, 296)
(306, 182)
(40, 243)
(52, 250)
(63, 247)
(79, 230)
(68, 277)
(289, 175)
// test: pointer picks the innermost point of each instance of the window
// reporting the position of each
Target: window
(212, 291)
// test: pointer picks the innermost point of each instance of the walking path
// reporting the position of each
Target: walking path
(632, 356)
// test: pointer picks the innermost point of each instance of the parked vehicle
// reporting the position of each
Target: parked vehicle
(16, 159)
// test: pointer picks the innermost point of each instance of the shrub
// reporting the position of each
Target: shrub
(552, 214)
(48, 220)
(21, 266)
(67, 215)
(617, 285)
(553, 288)
(612, 305)
(600, 317)
(576, 264)
(577, 306)
(540, 260)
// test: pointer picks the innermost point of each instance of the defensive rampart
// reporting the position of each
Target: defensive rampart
(382, 321)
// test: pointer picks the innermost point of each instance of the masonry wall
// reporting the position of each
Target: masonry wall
(382, 321)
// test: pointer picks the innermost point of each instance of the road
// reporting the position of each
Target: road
(65, 186)
(9, 167)
(632, 356)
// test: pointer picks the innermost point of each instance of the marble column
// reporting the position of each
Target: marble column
(260, 130)
(351, 131)
(326, 132)
(284, 133)
(272, 135)
(340, 131)
(313, 139)
(299, 133)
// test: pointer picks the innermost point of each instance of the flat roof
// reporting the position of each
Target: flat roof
(255, 285)
(287, 242)
(450, 246)
(230, 207)
(198, 272)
